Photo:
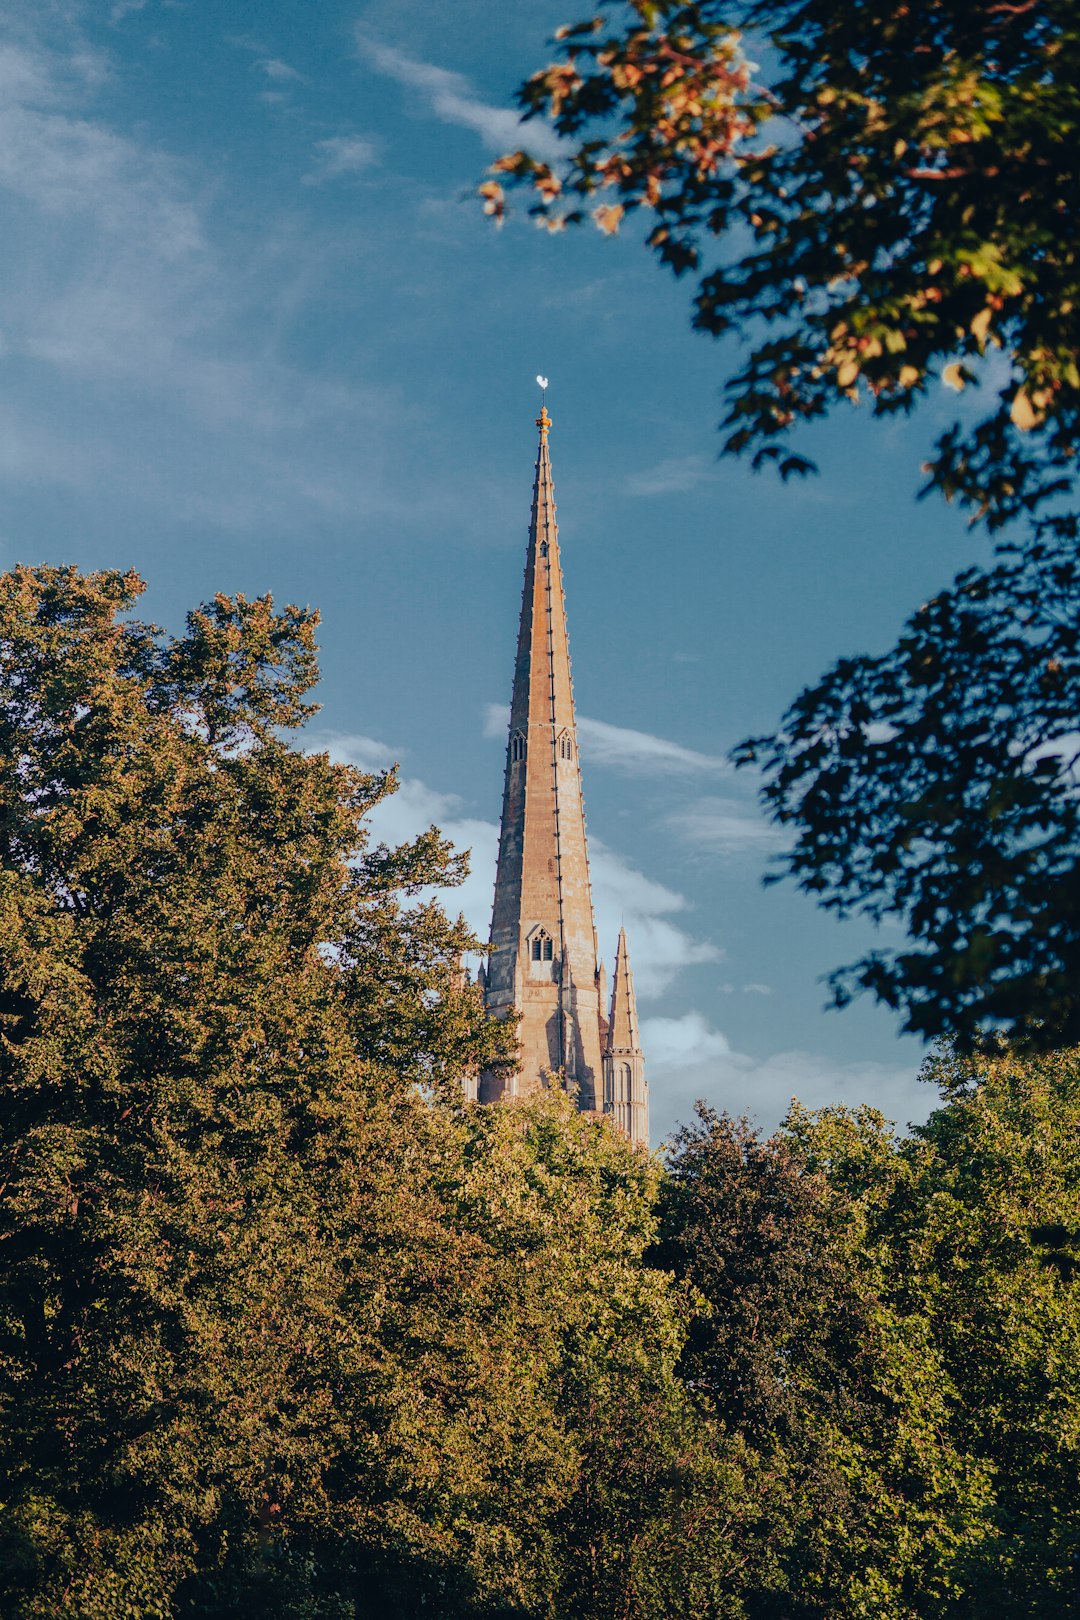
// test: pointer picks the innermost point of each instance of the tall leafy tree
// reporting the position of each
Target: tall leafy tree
(893, 1338)
(285, 1326)
(938, 781)
(987, 1175)
(863, 1502)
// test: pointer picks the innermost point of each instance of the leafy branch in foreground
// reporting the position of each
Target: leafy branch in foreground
(887, 197)
(885, 201)
(939, 782)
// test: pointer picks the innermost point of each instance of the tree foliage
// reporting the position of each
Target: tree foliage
(866, 1504)
(287, 1327)
(988, 1172)
(886, 195)
(938, 781)
(883, 204)
(887, 1338)
(282, 1324)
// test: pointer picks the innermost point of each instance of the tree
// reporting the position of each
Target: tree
(938, 782)
(286, 1326)
(863, 1503)
(893, 1337)
(888, 194)
(989, 1172)
(884, 202)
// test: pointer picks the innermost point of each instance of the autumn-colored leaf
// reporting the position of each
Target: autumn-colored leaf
(608, 216)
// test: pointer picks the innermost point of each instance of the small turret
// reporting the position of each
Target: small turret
(626, 1094)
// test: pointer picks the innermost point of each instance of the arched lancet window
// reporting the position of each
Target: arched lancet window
(566, 745)
(517, 745)
(624, 1078)
(542, 947)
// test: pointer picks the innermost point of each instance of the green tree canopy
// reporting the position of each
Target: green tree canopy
(866, 1504)
(893, 1335)
(289, 1328)
(983, 1179)
(285, 1327)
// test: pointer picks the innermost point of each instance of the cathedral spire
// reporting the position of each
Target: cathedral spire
(543, 963)
(544, 957)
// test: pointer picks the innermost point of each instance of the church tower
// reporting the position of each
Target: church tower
(544, 963)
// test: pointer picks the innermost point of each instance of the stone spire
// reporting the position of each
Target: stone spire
(626, 1094)
(544, 960)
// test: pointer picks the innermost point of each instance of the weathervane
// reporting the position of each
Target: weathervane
(543, 421)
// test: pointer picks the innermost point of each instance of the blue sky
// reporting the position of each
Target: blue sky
(255, 334)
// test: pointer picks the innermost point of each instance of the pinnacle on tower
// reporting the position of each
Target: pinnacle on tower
(626, 1094)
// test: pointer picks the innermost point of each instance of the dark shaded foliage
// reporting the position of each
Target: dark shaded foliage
(882, 203)
(938, 782)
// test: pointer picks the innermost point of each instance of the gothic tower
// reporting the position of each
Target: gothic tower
(544, 962)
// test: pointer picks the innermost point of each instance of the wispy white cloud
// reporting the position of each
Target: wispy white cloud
(124, 285)
(280, 72)
(674, 476)
(690, 1060)
(496, 720)
(67, 165)
(342, 155)
(679, 1043)
(660, 948)
(746, 989)
(452, 99)
(726, 826)
(637, 753)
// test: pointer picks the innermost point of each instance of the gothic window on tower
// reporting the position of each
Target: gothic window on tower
(566, 745)
(541, 953)
(517, 745)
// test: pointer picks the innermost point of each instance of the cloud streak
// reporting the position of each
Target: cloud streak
(639, 753)
(279, 72)
(676, 476)
(451, 98)
(124, 291)
(725, 827)
(341, 156)
(660, 948)
(620, 748)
